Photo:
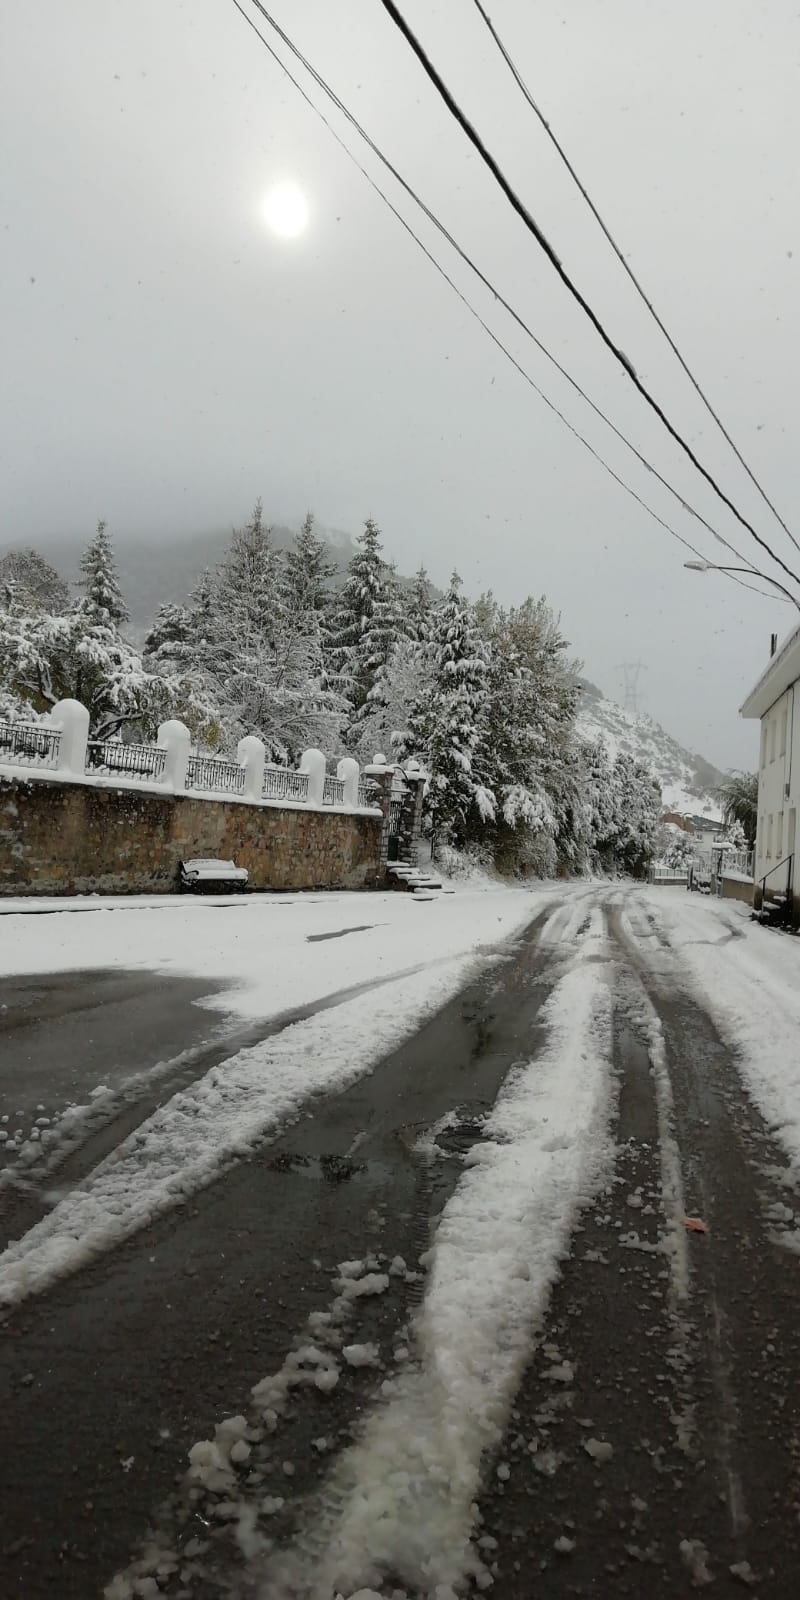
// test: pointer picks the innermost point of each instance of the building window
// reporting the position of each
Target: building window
(772, 738)
(784, 715)
(770, 821)
(763, 743)
(779, 836)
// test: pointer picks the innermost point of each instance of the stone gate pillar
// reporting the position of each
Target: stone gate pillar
(415, 779)
(382, 776)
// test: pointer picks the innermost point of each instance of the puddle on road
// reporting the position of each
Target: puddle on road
(459, 1139)
(363, 927)
(330, 1169)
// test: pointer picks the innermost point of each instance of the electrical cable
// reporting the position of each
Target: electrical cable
(467, 259)
(544, 244)
(467, 303)
(643, 296)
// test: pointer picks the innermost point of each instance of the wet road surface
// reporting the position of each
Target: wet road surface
(654, 1441)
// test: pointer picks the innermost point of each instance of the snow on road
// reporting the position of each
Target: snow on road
(412, 1479)
(276, 952)
(402, 1498)
(416, 955)
(748, 979)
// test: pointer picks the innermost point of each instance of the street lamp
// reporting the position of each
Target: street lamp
(711, 566)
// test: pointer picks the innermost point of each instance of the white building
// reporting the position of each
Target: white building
(772, 701)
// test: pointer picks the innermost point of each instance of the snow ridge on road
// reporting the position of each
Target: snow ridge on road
(406, 1490)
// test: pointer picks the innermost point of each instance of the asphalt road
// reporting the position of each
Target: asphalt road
(106, 1381)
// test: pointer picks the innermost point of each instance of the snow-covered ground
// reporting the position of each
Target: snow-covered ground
(277, 952)
(402, 1496)
(376, 964)
(748, 979)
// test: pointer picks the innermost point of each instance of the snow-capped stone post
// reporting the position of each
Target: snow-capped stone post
(313, 762)
(416, 778)
(73, 720)
(251, 754)
(382, 776)
(175, 738)
(348, 771)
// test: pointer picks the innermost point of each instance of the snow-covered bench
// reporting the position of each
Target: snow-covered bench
(204, 875)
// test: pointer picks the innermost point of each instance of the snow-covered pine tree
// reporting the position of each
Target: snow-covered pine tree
(99, 581)
(532, 697)
(366, 623)
(417, 607)
(174, 652)
(167, 640)
(600, 803)
(261, 658)
(241, 624)
(309, 570)
(446, 724)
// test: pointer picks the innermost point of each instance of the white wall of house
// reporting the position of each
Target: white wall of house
(779, 788)
(774, 701)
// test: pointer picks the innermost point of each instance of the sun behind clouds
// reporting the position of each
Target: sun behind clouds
(285, 210)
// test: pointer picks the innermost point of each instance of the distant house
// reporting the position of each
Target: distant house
(706, 830)
(772, 701)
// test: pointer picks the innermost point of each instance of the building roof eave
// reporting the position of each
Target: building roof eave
(783, 670)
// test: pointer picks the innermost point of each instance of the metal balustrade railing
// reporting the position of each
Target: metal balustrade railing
(333, 792)
(134, 760)
(67, 747)
(24, 743)
(215, 774)
(282, 784)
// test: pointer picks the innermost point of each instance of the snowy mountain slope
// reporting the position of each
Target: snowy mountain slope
(688, 782)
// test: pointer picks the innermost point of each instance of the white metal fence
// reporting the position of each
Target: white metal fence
(33, 743)
(60, 745)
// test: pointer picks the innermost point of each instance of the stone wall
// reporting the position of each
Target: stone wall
(737, 889)
(80, 838)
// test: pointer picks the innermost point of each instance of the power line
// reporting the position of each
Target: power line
(516, 74)
(544, 244)
(467, 259)
(467, 303)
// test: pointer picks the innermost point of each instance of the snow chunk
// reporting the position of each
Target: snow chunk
(564, 1372)
(695, 1558)
(361, 1355)
(599, 1450)
(356, 1288)
(270, 1504)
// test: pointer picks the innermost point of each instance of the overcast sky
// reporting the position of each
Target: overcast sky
(166, 358)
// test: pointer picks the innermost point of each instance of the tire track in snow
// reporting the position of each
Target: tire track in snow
(399, 1506)
(87, 1135)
